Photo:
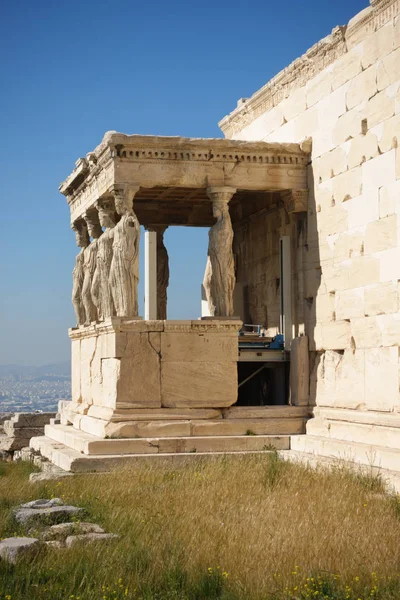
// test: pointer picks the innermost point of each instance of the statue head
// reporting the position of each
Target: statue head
(81, 233)
(106, 211)
(124, 194)
(220, 209)
(123, 203)
(93, 224)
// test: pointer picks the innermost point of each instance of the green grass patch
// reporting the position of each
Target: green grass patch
(230, 528)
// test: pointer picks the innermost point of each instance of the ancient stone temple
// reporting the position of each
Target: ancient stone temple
(301, 295)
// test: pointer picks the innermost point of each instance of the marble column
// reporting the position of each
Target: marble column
(124, 268)
(219, 278)
(162, 273)
(150, 275)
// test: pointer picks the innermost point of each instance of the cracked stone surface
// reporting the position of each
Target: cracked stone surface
(11, 549)
(62, 530)
(89, 538)
(46, 512)
(43, 503)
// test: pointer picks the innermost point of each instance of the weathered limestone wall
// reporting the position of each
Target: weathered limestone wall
(343, 94)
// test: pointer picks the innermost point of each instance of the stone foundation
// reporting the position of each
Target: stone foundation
(126, 373)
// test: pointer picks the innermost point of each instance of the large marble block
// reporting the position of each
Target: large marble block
(123, 364)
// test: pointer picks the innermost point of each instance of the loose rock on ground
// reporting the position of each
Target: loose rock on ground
(46, 531)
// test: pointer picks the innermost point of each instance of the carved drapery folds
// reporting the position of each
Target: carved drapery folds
(219, 278)
(89, 265)
(101, 292)
(82, 241)
(106, 272)
(124, 268)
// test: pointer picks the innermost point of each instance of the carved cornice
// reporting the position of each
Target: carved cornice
(96, 176)
(120, 325)
(305, 68)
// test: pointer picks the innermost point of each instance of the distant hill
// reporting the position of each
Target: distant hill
(56, 370)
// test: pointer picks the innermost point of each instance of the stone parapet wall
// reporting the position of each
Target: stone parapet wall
(132, 364)
(344, 94)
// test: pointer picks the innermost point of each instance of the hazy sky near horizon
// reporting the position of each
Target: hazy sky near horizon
(70, 71)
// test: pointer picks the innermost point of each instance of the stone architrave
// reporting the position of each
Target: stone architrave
(101, 293)
(124, 269)
(162, 273)
(89, 265)
(219, 278)
(82, 241)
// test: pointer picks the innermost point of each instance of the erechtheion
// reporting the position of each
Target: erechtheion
(302, 202)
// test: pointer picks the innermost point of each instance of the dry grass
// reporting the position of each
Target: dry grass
(242, 527)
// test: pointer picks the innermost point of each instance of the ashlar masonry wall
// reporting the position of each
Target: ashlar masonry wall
(344, 94)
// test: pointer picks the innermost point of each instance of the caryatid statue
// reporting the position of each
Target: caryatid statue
(124, 269)
(89, 265)
(82, 241)
(219, 278)
(162, 273)
(101, 292)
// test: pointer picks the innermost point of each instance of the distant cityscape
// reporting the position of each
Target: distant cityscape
(27, 389)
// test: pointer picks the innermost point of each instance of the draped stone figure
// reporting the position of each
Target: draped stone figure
(162, 274)
(101, 292)
(82, 241)
(89, 266)
(124, 269)
(219, 278)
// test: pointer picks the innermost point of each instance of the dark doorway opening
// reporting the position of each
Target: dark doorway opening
(263, 384)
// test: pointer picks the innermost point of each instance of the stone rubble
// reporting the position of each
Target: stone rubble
(41, 512)
(11, 549)
(61, 531)
(45, 512)
(89, 538)
(17, 429)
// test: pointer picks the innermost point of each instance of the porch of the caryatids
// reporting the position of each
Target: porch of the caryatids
(124, 268)
(82, 241)
(89, 264)
(101, 291)
(162, 272)
(219, 278)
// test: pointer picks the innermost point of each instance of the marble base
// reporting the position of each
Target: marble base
(123, 365)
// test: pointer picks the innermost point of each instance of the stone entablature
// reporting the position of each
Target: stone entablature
(323, 54)
(150, 162)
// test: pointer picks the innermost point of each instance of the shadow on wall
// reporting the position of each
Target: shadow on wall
(315, 301)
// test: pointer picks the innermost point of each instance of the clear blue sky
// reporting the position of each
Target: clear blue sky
(72, 70)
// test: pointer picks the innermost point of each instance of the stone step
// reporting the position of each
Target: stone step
(376, 435)
(88, 444)
(74, 461)
(370, 417)
(391, 478)
(180, 428)
(364, 454)
(266, 412)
